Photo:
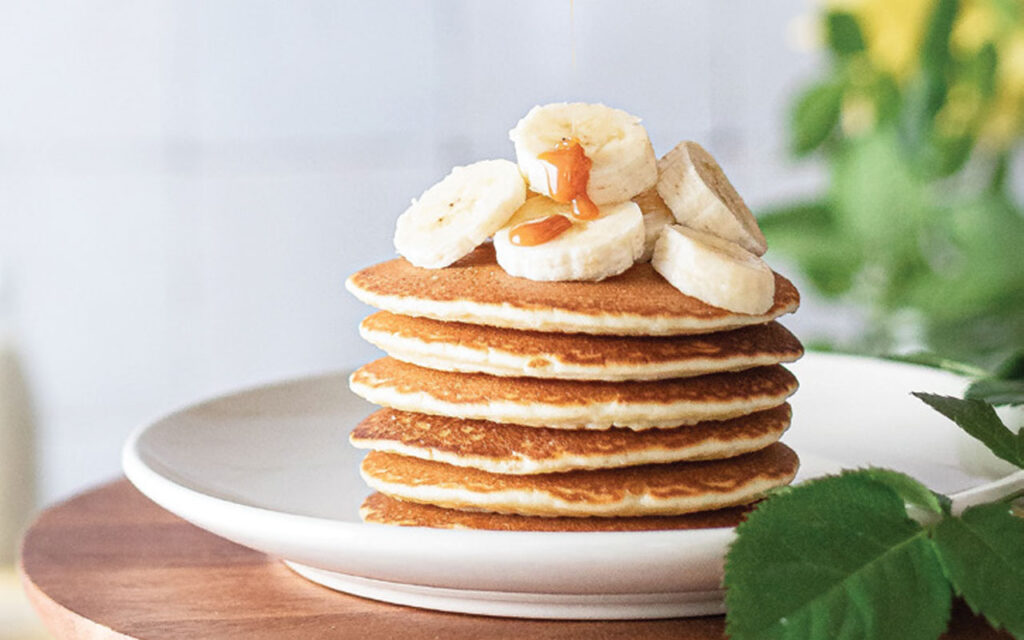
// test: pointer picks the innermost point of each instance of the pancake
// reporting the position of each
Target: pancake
(572, 404)
(476, 290)
(381, 509)
(515, 449)
(458, 346)
(655, 489)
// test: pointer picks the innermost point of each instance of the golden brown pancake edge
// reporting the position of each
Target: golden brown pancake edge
(639, 296)
(769, 340)
(381, 509)
(523, 447)
(476, 388)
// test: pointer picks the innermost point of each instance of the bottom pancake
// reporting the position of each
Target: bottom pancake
(656, 489)
(381, 509)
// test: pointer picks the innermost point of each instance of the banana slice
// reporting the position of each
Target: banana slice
(656, 216)
(713, 270)
(456, 215)
(700, 196)
(587, 250)
(622, 160)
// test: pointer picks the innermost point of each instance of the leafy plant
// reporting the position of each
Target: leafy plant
(1003, 385)
(845, 557)
(917, 119)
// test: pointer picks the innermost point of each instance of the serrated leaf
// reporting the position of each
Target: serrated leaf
(910, 490)
(835, 558)
(843, 33)
(982, 554)
(815, 115)
(980, 420)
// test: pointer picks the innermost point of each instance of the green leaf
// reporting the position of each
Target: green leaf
(972, 300)
(1006, 384)
(924, 97)
(977, 335)
(794, 217)
(1012, 368)
(948, 155)
(910, 490)
(927, 92)
(886, 93)
(815, 115)
(980, 420)
(997, 392)
(982, 69)
(982, 555)
(934, 360)
(807, 233)
(935, 46)
(843, 33)
(880, 208)
(834, 558)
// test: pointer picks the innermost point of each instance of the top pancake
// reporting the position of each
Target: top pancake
(476, 290)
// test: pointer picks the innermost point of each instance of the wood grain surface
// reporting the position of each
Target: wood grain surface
(111, 564)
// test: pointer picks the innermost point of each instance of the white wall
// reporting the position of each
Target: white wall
(184, 185)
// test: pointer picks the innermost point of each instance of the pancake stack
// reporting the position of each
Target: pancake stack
(621, 404)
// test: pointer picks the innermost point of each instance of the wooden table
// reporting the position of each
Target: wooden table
(111, 564)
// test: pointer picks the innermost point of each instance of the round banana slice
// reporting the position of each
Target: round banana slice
(458, 214)
(656, 216)
(585, 250)
(700, 196)
(713, 270)
(623, 163)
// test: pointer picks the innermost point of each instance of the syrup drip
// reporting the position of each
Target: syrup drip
(572, 167)
(530, 234)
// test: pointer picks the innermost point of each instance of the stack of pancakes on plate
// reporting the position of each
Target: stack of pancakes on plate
(622, 404)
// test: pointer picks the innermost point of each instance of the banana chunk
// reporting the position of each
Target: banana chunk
(458, 214)
(713, 270)
(588, 250)
(656, 216)
(700, 196)
(623, 160)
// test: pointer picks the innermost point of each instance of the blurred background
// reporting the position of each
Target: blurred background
(184, 185)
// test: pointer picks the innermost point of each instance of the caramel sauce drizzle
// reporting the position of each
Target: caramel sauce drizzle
(530, 234)
(572, 168)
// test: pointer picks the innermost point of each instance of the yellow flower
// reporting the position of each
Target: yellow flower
(976, 24)
(892, 31)
(1011, 61)
(1005, 120)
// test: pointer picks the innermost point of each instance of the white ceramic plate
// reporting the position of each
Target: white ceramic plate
(271, 469)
